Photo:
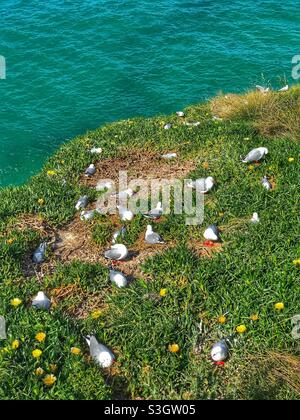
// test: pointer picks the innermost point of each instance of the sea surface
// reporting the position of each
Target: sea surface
(73, 65)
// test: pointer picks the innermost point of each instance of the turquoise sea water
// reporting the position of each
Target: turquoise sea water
(73, 65)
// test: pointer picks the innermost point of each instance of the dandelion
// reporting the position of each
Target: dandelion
(39, 371)
(96, 314)
(10, 241)
(250, 167)
(40, 337)
(76, 351)
(49, 380)
(254, 317)
(53, 368)
(291, 159)
(41, 201)
(296, 262)
(222, 319)
(51, 173)
(15, 344)
(16, 302)
(279, 306)
(221, 214)
(241, 329)
(205, 165)
(173, 348)
(163, 292)
(37, 353)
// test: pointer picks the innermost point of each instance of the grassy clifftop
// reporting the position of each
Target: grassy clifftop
(254, 269)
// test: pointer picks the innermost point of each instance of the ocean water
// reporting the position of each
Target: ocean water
(74, 65)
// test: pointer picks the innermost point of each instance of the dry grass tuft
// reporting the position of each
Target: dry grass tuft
(273, 114)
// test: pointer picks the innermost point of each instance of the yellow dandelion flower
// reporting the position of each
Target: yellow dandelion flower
(291, 159)
(221, 214)
(222, 319)
(10, 241)
(16, 302)
(279, 306)
(62, 162)
(96, 314)
(173, 348)
(40, 337)
(39, 371)
(15, 344)
(51, 173)
(49, 380)
(53, 368)
(76, 351)
(37, 353)
(41, 201)
(205, 165)
(250, 167)
(254, 317)
(241, 329)
(163, 292)
(296, 262)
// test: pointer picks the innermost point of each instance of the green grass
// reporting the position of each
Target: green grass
(253, 271)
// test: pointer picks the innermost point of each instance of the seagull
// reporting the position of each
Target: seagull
(204, 184)
(255, 155)
(124, 194)
(255, 218)
(167, 126)
(96, 150)
(192, 124)
(41, 301)
(39, 253)
(169, 156)
(180, 114)
(284, 89)
(262, 89)
(153, 237)
(117, 252)
(212, 233)
(102, 186)
(82, 202)
(266, 183)
(118, 278)
(91, 170)
(155, 213)
(119, 234)
(125, 215)
(2, 328)
(87, 215)
(220, 352)
(100, 353)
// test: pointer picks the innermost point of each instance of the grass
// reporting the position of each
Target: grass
(251, 271)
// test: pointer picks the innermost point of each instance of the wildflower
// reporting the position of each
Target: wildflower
(291, 159)
(39, 371)
(37, 353)
(254, 317)
(10, 241)
(51, 173)
(250, 167)
(15, 344)
(241, 329)
(222, 319)
(279, 306)
(49, 380)
(163, 292)
(96, 314)
(16, 302)
(205, 165)
(41, 201)
(221, 214)
(173, 348)
(40, 337)
(53, 368)
(296, 262)
(76, 351)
